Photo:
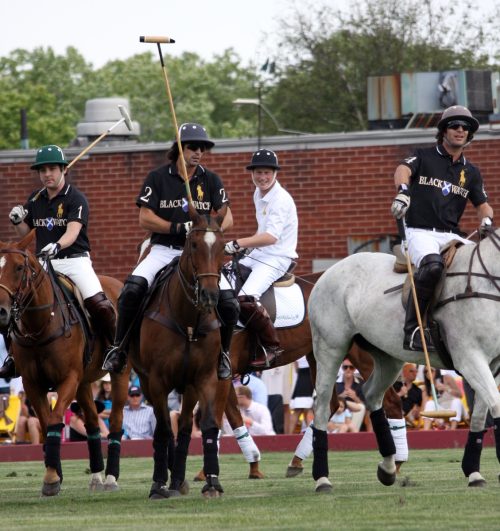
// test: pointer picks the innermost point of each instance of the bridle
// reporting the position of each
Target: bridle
(194, 286)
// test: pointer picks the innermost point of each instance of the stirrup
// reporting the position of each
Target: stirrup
(413, 342)
(115, 360)
(224, 369)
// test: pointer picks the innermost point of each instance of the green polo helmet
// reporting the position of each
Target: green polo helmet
(50, 154)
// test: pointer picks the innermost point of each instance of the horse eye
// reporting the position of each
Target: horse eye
(19, 268)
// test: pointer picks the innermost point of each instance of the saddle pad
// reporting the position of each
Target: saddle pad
(290, 306)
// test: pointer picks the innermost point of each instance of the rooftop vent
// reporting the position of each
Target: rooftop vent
(100, 115)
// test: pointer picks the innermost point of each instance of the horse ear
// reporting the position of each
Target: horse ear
(193, 214)
(26, 241)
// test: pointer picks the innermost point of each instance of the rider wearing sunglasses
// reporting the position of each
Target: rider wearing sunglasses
(433, 186)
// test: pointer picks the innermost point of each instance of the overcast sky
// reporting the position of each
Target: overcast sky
(102, 30)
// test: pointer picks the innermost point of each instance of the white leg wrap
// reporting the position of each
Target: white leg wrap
(305, 447)
(247, 445)
(398, 432)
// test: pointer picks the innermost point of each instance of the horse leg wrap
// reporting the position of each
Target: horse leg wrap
(496, 430)
(179, 464)
(305, 446)
(210, 451)
(95, 450)
(398, 432)
(52, 447)
(247, 445)
(472, 452)
(320, 460)
(160, 457)
(382, 431)
(114, 448)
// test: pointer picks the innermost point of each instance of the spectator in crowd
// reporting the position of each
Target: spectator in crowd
(174, 407)
(77, 430)
(27, 424)
(256, 385)
(302, 396)
(341, 420)
(278, 382)
(138, 418)
(257, 417)
(410, 394)
(449, 396)
(104, 396)
(348, 387)
(4, 383)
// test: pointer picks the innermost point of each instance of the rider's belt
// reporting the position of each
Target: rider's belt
(76, 255)
(431, 229)
(176, 247)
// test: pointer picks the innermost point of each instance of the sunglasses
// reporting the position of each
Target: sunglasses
(195, 146)
(350, 367)
(455, 124)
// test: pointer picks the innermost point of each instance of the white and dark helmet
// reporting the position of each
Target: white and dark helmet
(192, 132)
(264, 158)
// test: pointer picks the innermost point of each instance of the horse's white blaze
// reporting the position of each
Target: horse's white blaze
(209, 238)
(3, 261)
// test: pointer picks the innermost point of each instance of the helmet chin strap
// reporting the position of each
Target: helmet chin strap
(275, 174)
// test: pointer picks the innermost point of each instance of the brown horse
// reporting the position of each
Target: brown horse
(48, 346)
(296, 342)
(178, 348)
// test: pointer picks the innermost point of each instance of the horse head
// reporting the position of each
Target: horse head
(203, 258)
(18, 268)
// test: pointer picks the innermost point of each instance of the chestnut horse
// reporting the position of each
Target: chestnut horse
(178, 348)
(48, 346)
(296, 342)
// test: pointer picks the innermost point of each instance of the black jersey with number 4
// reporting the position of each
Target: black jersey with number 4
(440, 188)
(164, 192)
(50, 218)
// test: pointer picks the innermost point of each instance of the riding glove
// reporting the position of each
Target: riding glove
(17, 214)
(232, 247)
(401, 202)
(51, 249)
(486, 226)
(180, 228)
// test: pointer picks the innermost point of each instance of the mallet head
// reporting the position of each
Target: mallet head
(126, 117)
(156, 39)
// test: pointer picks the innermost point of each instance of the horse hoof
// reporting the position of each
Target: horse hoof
(323, 485)
(184, 488)
(159, 491)
(200, 476)
(294, 471)
(385, 478)
(476, 480)
(211, 492)
(256, 475)
(96, 485)
(51, 489)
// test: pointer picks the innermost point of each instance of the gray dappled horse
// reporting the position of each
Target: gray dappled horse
(349, 304)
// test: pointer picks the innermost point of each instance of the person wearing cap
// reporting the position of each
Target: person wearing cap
(139, 421)
(273, 249)
(59, 213)
(164, 213)
(433, 186)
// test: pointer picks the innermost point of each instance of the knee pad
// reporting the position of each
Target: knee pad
(228, 307)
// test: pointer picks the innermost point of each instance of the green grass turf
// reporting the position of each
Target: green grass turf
(434, 496)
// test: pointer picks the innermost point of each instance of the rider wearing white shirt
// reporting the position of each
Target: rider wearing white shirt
(274, 247)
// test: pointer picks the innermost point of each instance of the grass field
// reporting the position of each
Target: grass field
(430, 494)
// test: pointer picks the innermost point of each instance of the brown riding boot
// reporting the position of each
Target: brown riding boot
(257, 320)
(103, 315)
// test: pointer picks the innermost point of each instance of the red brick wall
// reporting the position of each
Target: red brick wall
(339, 192)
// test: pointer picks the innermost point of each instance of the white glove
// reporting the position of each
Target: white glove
(188, 226)
(180, 228)
(17, 214)
(51, 249)
(401, 202)
(232, 247)
(486, 226)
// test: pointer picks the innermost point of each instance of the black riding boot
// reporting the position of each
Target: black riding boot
(8, 369)
(103, 316)
(256, 319)
(228, 309)
(426, 279)
(129, 302)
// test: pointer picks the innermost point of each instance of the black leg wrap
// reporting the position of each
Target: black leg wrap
(160, 455)
(179, 465)
(320, 449)
(210, 452)
(52, 447)
(382, 431)
(95, 451)
(472, 452)
(496, 431)
(114, 448)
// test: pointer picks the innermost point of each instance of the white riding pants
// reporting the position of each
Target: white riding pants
(159, 256)
(422, 242)
(81, 272)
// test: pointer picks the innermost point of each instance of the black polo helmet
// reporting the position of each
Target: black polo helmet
(191, 132)
(457, 113)
(264, 158)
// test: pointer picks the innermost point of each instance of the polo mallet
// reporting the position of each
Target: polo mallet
(167, 40)
(124, 119)
(438, 413)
